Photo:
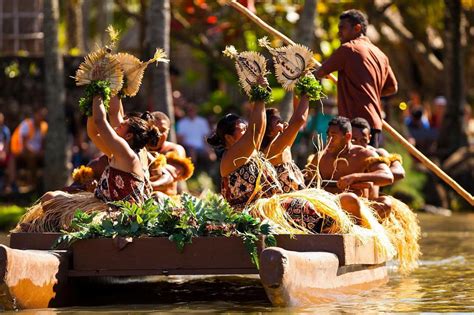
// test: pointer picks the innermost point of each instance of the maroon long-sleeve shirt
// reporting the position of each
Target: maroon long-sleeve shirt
(364, 75)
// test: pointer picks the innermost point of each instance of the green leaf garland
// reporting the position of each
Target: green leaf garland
(99, 87)
(310, 86)
(210, 216)
(260, 93)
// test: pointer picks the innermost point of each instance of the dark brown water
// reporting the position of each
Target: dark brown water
(443, 283)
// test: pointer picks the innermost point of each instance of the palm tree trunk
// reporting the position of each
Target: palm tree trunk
(74, 25)
(56, 173)
(452, 135)
(304, 36)
(159, 35)
(305, 31)
(105, 19)
(85, 24)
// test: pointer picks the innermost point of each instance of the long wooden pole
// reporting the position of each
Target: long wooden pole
(415, 152)
(429, 164)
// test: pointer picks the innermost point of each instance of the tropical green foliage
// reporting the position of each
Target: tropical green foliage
(180, 222)
(260, 93)
(10, 215)
(99, 87)
(310, 86)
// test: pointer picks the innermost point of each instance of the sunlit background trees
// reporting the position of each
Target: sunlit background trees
(428, 43)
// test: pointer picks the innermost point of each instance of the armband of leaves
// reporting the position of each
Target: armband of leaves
(260, 93)
(99, 87)
(310, 86)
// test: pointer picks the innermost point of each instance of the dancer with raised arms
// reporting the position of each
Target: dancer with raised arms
(293, 65)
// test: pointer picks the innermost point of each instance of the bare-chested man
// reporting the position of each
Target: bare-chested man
(351, 167)
(163, 146)
(163, 123)
(361, 136)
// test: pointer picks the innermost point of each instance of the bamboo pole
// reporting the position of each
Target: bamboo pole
(428, 163)
(415, 152)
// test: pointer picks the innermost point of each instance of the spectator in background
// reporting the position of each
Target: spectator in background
(438, 109)
(192, 131)
(319, 122)
(416, 106)
(179, 104)
(27, 147)
(423, 137)
(469, 124)
(4, 151)
(417, 119)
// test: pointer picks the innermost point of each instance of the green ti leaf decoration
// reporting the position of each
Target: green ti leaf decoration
(99, 87)
(310, 86)
(180, 222)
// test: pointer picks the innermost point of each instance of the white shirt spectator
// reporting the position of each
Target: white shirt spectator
(193, 131)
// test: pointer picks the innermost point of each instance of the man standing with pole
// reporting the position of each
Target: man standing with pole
(364, 73)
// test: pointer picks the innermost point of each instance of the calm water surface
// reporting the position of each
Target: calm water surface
(443, 283)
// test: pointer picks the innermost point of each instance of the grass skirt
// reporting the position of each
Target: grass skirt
(57, 213)
(404, 231)
(328, 206)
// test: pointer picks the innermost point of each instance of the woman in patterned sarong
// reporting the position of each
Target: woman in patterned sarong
(122, 180)
(276, 146)
(237, 144)
(124, 177)
(277, 142)
(246, 176)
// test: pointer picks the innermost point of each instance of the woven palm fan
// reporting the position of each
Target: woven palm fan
(251, 67)
(100, 65)
(291, 62)
(133, 70)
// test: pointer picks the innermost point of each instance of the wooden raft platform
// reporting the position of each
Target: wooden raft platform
(298, 263)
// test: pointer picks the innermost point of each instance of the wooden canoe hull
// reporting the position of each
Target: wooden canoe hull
(32, 279)
(303, 263)
(304, 278)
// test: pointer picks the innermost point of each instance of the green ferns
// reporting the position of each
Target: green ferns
(99, 87)
(192, 217)
(310, 86)
(260, 93)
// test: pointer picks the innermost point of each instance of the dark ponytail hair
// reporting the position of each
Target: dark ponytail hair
(225, 126)
(153, 135)
(271, 113)
(144, 133)
(146, 116)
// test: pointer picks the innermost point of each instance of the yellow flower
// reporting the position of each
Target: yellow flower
(83, 174)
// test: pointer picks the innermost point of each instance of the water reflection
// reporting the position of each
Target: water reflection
(444, 282)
